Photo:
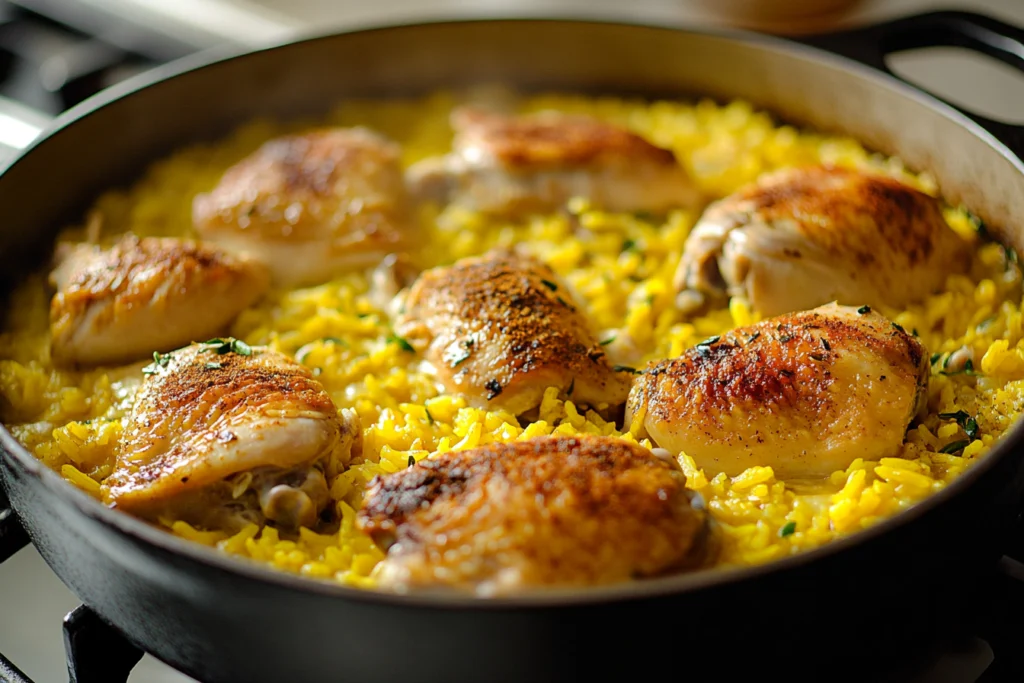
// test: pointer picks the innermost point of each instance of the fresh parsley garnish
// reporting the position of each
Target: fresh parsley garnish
(785, 338)
(935, 358)
(954, 446)
(824, 343)
(160, 360)
(608, 341)
(222, 346)
(550, 285)
(572, 385)
(864, 309)
(787, 529)
(966, 422)
(430, 418)
(459, 360)
(402, 343)
(625, 368)
(628, 245)
(899, 327)
(412, 461)
(709, 341)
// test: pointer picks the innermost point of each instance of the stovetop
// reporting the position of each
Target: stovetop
(52, 62)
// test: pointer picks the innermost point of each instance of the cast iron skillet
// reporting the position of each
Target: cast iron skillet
(220, 619)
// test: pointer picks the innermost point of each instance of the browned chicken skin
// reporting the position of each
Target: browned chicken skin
(505, 164)
(501, 328)
(805, 393)
(312, 205)
(550, 511)
(800, 238)
(143, 295)
(221, 434)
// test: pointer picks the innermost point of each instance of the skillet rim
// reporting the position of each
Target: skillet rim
(211, 558)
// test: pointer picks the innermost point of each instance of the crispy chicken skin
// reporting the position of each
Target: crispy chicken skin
(220, 438)
(549, 511)
(805, 394)
(119, 305)
(509, 164)
(312, 205)
(800, 238)
(501, 328)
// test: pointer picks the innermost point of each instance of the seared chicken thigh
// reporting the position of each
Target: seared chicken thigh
(501, 328)
(312, 205)
(143, 295)
(550, 511)
(222, 434)
(509, 164)
(803, 237)
(805, 394)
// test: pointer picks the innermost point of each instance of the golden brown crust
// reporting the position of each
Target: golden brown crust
(141, 295)
(496, 324)
(201, 398)
(805, 394)
(782, 364)
(551, 139)
(805, 197)
(342, 186)
(552, 510)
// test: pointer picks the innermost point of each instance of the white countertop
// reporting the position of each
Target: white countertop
(32, 599)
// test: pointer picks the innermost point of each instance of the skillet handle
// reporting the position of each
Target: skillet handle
(992, 37)
(12, 535)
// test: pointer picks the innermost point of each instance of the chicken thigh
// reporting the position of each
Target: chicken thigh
(800, 238)
(144, 295)
(549, 511)
(805, 394)
(312, 205)
(506, 164)
(222, 434)
(500, 329)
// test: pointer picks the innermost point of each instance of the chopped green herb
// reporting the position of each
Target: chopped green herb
(1011, 255)
(608, 341)
(787, 529)
(966, 422)
(753, 337)
(402, 343)
(160, 360)
(563, 302)
(628, 245)
(709, 341)
(915, 332)
(984, 324)
(824, 342)
(954, 446)
(412, 461)
(864, 309)
(818, 357)
(430, 418)
(625, 368)
(935, 358)
(550, 285)
(222, 346)
(458, 360)
(650, 299)
(572, 385)
(969, 366)
(241, 348)
(214, 366)
(977, 222)
(899, 327)
(785, 338)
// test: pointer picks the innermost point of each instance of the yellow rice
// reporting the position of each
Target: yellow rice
(621, 268)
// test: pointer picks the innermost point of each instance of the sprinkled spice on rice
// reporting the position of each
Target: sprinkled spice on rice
(620, 266)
